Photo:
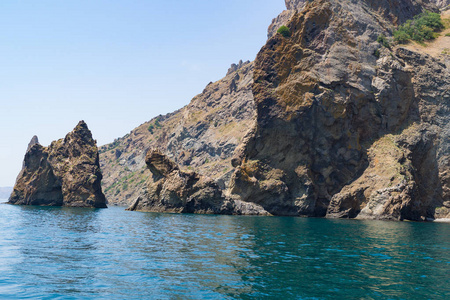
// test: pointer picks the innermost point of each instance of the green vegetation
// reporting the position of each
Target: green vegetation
(111, 146)
(284, 31)
(376, 53)
(157, 124)
(154, 125)
(121, 182)
(150, 128)
(447, 34)
(383, 41)
(422, 28)
(446, 23)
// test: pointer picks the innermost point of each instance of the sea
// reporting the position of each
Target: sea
(74, 253)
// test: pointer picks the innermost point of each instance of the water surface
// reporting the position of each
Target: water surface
(69, 253)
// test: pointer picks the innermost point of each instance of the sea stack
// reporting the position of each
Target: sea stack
(66, 173)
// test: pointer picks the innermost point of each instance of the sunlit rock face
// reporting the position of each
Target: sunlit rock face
(334, 107)
(200, 137)
(66, 173)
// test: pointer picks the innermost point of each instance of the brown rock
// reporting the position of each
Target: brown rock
(200, 137)
(171, 190)
(323, 98)
(67, 173)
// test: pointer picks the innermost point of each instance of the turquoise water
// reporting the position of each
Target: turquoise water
(67, 253)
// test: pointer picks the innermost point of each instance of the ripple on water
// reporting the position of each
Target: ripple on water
(115, 254)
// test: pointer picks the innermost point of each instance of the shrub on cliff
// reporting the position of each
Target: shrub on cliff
(423, 27)
(383, 41)
(284, 31)
(150, 128)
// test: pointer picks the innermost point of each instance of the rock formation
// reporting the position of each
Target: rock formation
(170, 189)
(442, 4)
(67, 173)
(345, 127)
(201, 136)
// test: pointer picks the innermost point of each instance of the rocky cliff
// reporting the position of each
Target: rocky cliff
(346, 127)
(66, 173)
(201, 136)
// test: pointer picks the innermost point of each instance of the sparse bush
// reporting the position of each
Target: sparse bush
(401, 37)
(150, 128)
(157, 124)
(376, 53)
(284, 31)
(383, 41)
(422, 28)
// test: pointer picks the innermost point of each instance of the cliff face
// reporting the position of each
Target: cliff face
(345, 127)
(67, 173)
(201, 136)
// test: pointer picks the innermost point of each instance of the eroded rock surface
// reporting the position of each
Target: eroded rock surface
(170, 189)
(344, 128)
(327, 98)
(67, 173)
(200, 137)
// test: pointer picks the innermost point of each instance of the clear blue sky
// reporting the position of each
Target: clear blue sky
(113, 63)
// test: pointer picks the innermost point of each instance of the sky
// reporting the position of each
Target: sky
(113, 63)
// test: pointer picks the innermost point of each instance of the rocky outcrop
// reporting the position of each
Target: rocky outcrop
(201, 136)
(345, 127)
(171, 190)
(285, 16)
(442, 4)
(67, 173)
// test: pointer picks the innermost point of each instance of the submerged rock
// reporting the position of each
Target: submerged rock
(67, 173)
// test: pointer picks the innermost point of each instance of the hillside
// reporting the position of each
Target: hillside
(331, 124)
(202, 136)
